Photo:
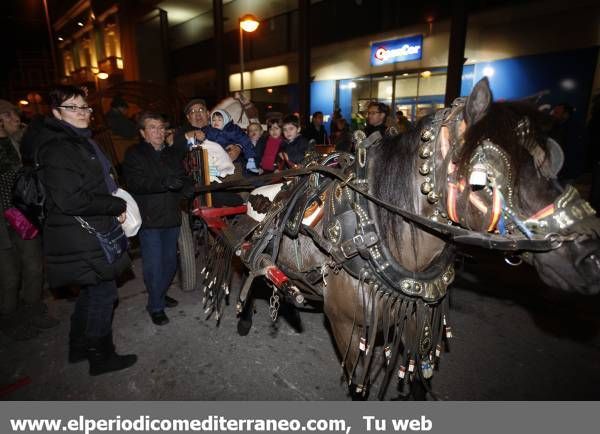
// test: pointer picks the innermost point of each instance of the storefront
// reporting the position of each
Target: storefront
(520, 59)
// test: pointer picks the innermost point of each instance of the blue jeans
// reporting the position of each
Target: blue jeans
(94, 308)
(159, 260)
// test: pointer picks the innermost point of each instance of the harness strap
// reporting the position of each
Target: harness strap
(544, 212)
(456, 234)
(496, 210)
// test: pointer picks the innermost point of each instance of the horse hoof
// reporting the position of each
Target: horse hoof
(358, 396)
(244, 326)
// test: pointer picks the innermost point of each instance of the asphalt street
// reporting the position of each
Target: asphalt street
(513, 340)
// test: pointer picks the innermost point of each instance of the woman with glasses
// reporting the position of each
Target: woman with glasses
(78, 183)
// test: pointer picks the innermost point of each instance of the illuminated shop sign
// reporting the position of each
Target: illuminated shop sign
(397, 50)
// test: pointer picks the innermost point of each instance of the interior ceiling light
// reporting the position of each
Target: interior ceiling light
(488, 71)
(102, 75)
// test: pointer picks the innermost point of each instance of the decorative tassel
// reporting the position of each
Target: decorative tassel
(426, 369)
(363, 344)
(401, 372)
(388, 353)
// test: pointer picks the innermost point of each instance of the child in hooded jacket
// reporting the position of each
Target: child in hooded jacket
(225, 132)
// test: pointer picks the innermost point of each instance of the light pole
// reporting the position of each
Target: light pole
(248, 23)
(51, 37)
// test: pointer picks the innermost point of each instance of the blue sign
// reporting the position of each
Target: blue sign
(397, 50)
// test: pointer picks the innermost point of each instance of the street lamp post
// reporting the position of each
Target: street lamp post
(248, 23)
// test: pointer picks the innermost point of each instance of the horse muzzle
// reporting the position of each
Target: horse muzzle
(574, 267)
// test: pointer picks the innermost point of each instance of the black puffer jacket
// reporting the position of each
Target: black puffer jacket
(75, 186)
(145, 171)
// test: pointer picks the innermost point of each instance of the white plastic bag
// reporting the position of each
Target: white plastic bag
(219, 158)
(133, 222)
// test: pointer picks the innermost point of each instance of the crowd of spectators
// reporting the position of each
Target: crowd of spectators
(80, 182)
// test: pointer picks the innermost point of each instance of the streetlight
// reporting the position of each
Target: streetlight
(248, 23)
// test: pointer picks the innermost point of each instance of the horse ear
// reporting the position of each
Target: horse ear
(554, 160)
(479, 102)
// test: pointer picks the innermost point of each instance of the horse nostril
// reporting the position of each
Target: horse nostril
(593, 258)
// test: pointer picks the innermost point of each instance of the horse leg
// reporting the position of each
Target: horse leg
(246, 313)
(245, 318)
(345, 315)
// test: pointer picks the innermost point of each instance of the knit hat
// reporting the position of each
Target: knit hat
(6, 106)
(226, 116)
(192, 103)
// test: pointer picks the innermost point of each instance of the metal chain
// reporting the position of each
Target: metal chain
(274, 305)
(85, 225)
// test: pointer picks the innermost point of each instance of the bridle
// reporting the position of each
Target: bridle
(494, 198)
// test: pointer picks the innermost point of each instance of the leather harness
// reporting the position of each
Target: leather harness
(391, 295)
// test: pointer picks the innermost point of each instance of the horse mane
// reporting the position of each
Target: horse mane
(395, 178)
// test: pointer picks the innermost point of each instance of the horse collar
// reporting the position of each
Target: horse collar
(363, 247)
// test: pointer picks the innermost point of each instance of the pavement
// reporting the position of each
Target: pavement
(188, 359)
(513, 341)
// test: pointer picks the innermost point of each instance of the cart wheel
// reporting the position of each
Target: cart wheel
(187, 256)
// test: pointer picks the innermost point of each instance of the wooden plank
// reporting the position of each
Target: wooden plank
(206, 177)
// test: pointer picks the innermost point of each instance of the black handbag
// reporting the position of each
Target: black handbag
(114, 242)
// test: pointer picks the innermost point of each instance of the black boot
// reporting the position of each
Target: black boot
(102, 356)
(77, 341)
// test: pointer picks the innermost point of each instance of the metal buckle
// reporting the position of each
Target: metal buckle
(358, 237)
(351, 249)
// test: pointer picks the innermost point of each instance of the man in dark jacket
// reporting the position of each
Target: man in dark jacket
(196, 128)
(316, 130)
(156, 178)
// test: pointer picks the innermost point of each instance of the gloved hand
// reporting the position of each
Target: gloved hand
(172, 183)
(251, 166)
(188, 190)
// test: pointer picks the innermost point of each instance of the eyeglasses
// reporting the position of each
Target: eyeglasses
(153, 128)
(75, 108)
(194, 111)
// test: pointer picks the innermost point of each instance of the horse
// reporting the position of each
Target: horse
(241, 109)
(380, 242)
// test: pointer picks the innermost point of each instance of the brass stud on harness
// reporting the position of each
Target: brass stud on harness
(425, 151)
(427, 135)
(426, 188)
(424, 169)
(433, 197)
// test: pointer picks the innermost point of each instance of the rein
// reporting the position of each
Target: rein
(454, 233)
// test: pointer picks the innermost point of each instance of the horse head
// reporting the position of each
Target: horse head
(502, 170)
(240, 108)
